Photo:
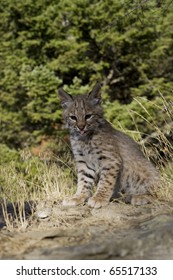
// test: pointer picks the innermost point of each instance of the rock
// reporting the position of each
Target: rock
(118, 231)
(149, 240)
(43, 213)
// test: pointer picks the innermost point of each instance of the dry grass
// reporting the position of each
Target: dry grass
(165, 192)
(39, 181)
(51, 183)
(158, 147)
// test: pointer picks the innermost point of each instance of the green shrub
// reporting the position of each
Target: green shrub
(46, 44)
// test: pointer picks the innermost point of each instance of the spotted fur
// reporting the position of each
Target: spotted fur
(105, 157)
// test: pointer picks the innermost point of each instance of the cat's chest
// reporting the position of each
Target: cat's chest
(86, 152)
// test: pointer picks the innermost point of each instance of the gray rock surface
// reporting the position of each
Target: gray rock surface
(118, 231)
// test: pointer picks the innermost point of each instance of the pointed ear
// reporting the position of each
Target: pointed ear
(95, 94)
(64, 97)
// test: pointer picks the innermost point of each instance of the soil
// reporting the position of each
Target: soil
(117, 231)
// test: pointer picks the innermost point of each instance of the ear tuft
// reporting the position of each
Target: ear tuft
(64, 97)
(95, 94)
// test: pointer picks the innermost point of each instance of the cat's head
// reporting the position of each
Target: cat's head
(82, 113)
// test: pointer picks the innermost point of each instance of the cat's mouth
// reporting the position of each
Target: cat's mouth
(82, 131)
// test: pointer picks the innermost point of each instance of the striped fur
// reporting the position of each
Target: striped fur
(105, 157)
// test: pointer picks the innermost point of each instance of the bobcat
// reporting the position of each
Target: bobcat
(105, 157)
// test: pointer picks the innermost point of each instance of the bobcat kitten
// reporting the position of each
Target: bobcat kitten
(104, 156)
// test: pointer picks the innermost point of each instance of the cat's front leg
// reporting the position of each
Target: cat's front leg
(85, 184)
(77, 199)
(106, 184)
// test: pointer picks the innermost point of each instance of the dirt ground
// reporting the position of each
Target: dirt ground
(117, 231)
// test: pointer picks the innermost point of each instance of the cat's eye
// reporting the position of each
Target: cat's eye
(73, 118)
(88, 116)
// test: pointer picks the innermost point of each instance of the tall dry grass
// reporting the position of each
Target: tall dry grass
(158, 147)
(38, 181)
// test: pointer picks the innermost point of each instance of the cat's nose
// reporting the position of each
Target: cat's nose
(81, 126)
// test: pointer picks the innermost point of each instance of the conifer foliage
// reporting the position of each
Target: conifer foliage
(45, 44)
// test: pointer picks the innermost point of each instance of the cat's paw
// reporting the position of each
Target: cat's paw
(97, 202)
(140, 199)
(75, 200)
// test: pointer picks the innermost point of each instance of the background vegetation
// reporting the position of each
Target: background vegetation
(127, 45)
